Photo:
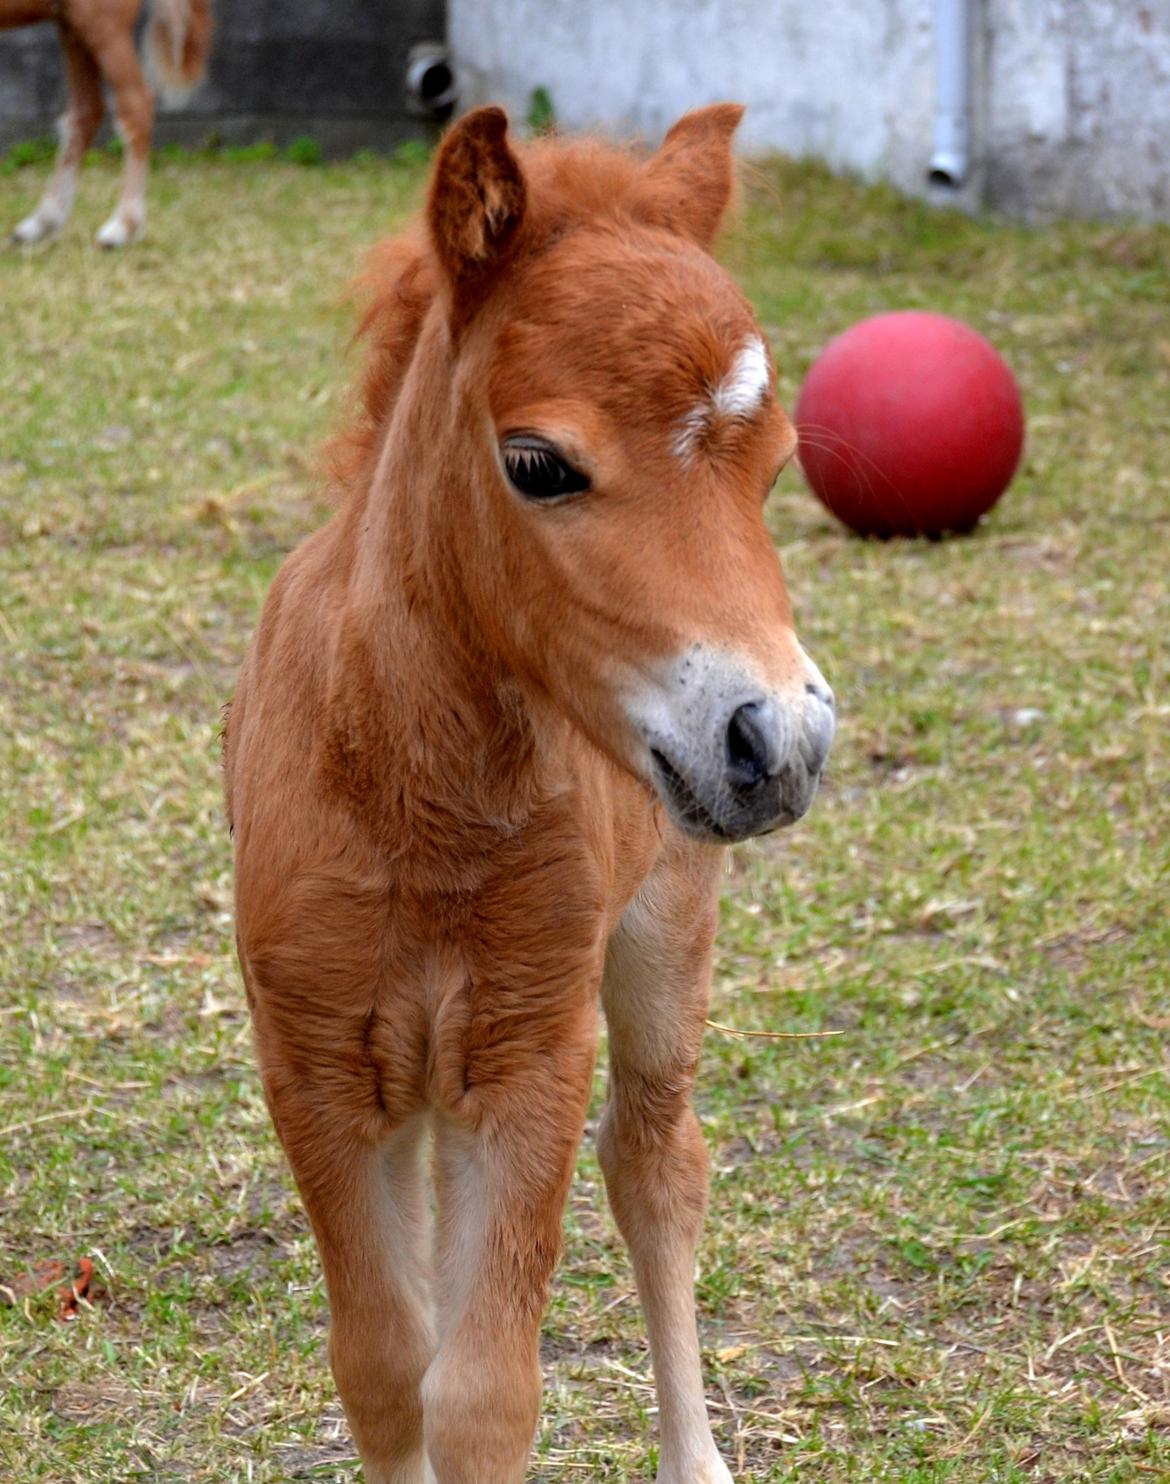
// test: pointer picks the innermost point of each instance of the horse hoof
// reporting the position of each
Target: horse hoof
(32, 230)
(116, 233)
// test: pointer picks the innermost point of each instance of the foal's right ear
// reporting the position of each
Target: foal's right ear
(687, 185)
(476, 206)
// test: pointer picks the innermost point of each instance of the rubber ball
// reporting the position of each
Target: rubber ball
(910, 423)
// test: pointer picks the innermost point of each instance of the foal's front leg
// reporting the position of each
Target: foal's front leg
(366, 1200)
(655, 992)
(504, 1156)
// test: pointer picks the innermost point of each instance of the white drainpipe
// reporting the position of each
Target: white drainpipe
(952, 108)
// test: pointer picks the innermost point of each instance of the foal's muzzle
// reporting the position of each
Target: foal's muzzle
(729, 761)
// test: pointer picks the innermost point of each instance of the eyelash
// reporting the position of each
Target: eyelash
(539, 471)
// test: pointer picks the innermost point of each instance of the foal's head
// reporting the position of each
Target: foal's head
(614, 433)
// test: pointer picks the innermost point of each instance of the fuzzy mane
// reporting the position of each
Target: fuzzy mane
(570, 182)
(396, 287)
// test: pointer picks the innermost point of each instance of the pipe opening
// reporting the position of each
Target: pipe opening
(431, 83)
(435, 82)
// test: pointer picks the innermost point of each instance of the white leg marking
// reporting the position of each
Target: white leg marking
(687, 1450)
(129, 216)
(57, 202)
(647, 981)
(462, 1218)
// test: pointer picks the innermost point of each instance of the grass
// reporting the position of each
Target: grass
(937, 1248)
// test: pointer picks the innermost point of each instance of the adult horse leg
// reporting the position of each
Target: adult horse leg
(367, 1203)
(502, 1173)
(78, 125)
(655, 993)
(134, 107)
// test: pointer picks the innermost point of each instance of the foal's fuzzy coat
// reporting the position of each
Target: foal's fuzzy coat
(484, 753)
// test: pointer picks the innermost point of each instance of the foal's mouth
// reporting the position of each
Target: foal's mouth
(691, 812)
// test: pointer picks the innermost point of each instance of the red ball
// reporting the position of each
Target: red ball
(910, 424)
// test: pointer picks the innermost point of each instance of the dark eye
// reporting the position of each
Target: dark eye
(539, 471)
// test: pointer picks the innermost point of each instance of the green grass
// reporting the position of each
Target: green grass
(937, 1248)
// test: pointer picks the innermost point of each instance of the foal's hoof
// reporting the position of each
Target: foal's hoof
(117, 233)
(709, 1469)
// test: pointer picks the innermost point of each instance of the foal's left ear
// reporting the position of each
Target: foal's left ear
(476, 205)
(687, 185)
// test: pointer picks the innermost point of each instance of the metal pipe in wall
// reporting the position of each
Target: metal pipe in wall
(950, 156)
(431, 84)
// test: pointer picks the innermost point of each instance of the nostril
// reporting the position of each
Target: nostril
(751, 745)
(822, 693)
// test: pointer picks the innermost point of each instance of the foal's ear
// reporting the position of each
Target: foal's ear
(687, 185)
(476, 205)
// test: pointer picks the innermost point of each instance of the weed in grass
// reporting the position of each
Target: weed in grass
(260, 152)
(541, 117)
(304, 150)
(26, 152)
(412, 153)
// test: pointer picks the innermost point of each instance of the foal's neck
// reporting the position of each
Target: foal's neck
(437, 738)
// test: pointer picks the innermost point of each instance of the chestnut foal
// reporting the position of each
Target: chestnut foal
(501, 717)
(97, 40)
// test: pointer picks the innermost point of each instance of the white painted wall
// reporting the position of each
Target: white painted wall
(1072, 97)
(1075, 105)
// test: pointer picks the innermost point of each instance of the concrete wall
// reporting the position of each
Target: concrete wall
(1071, 97)
(330, 68)
(1076, 106)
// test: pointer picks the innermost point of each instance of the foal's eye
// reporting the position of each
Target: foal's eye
(538, 470)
